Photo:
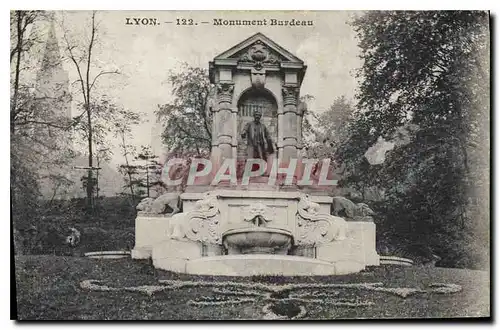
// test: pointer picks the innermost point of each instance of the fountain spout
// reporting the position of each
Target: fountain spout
(259, 221)
(258, 214)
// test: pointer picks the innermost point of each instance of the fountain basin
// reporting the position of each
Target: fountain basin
(258, 265)
(257, 240)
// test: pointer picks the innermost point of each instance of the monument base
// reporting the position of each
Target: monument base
(258, 264)
(192, 242)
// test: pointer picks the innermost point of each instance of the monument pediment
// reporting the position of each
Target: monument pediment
(259, 54)
(258, 50)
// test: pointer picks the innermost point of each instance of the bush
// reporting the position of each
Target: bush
(111, 227)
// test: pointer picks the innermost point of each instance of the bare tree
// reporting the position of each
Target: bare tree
(82, 58)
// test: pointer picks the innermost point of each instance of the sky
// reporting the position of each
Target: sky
(144, 55)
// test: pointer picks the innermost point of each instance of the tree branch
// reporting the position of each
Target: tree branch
(77, 119)
(191, 136)
(89, 58)
(70, 48)
(27, 122)
(101, 74)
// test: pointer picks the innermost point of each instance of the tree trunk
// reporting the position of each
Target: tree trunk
(147, 177)
(96, 202)
(97, 179)
(13, 176)
(90, 189)
(90, 183)
(129, 173)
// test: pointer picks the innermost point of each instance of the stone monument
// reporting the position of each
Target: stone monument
(254, 229)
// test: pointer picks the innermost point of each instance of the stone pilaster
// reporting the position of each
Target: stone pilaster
(288, 122)
(224, 123)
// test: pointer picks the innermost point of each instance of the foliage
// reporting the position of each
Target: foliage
(329, 129)
(104, 113)
(333, 122)
(151, 171)
(188, 117)
(37, 128)
(85, 181)
(123, 130)
(108, 120)
(46, 231)
(426, 69)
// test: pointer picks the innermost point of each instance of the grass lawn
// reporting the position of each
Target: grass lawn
(48, 287)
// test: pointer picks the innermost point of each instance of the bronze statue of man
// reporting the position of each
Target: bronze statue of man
(259, 142)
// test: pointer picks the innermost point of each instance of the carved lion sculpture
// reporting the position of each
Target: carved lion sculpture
(344, 207)
(159, 205)
(363, 210)
(145, 204)
(309, 206)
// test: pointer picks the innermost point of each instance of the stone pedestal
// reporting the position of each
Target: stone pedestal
(149, 230)
(172, 254)
(359, 246)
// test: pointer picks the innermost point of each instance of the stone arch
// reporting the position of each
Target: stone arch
(252, 92)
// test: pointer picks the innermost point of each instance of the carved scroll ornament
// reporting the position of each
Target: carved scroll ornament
(225, 92)
(314, 228)
(201, 224)
(290, 95)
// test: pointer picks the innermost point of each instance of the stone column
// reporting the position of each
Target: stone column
(224, 124)
(288, 123)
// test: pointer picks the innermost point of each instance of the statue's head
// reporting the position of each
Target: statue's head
(257, 114)
(365, 210)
